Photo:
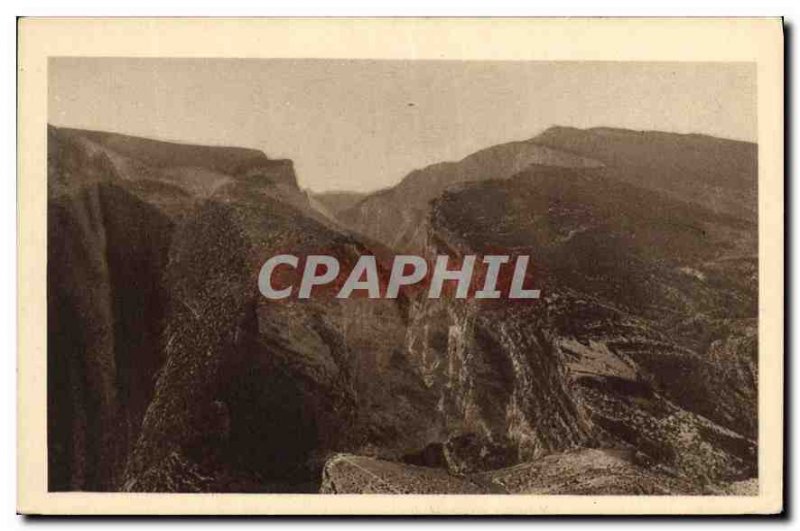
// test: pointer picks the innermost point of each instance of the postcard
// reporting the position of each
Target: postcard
(400, 266)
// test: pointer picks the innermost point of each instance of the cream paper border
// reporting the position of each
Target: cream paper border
(752, 40)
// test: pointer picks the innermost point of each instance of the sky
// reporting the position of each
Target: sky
(363, 125)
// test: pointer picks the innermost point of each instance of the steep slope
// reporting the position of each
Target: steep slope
(108, 239)
(397, 216)
(165, 365)
(644, 337)
(713, 172)
(645, 249)
(254, 392)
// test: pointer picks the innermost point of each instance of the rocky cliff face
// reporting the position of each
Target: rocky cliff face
(108, 241)
(636, 372)
(168, 371)
(643, 339)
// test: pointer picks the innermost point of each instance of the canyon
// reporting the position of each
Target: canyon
(634, 372)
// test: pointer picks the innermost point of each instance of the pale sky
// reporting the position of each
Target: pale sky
(363, 125)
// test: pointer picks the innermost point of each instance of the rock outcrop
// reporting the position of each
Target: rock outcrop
(608, 357)
(168, 370)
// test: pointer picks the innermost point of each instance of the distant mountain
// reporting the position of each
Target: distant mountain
(396, 216)
(714, 172)
(337, 202)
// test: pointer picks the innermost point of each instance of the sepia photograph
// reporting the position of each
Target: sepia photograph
(404, 276)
